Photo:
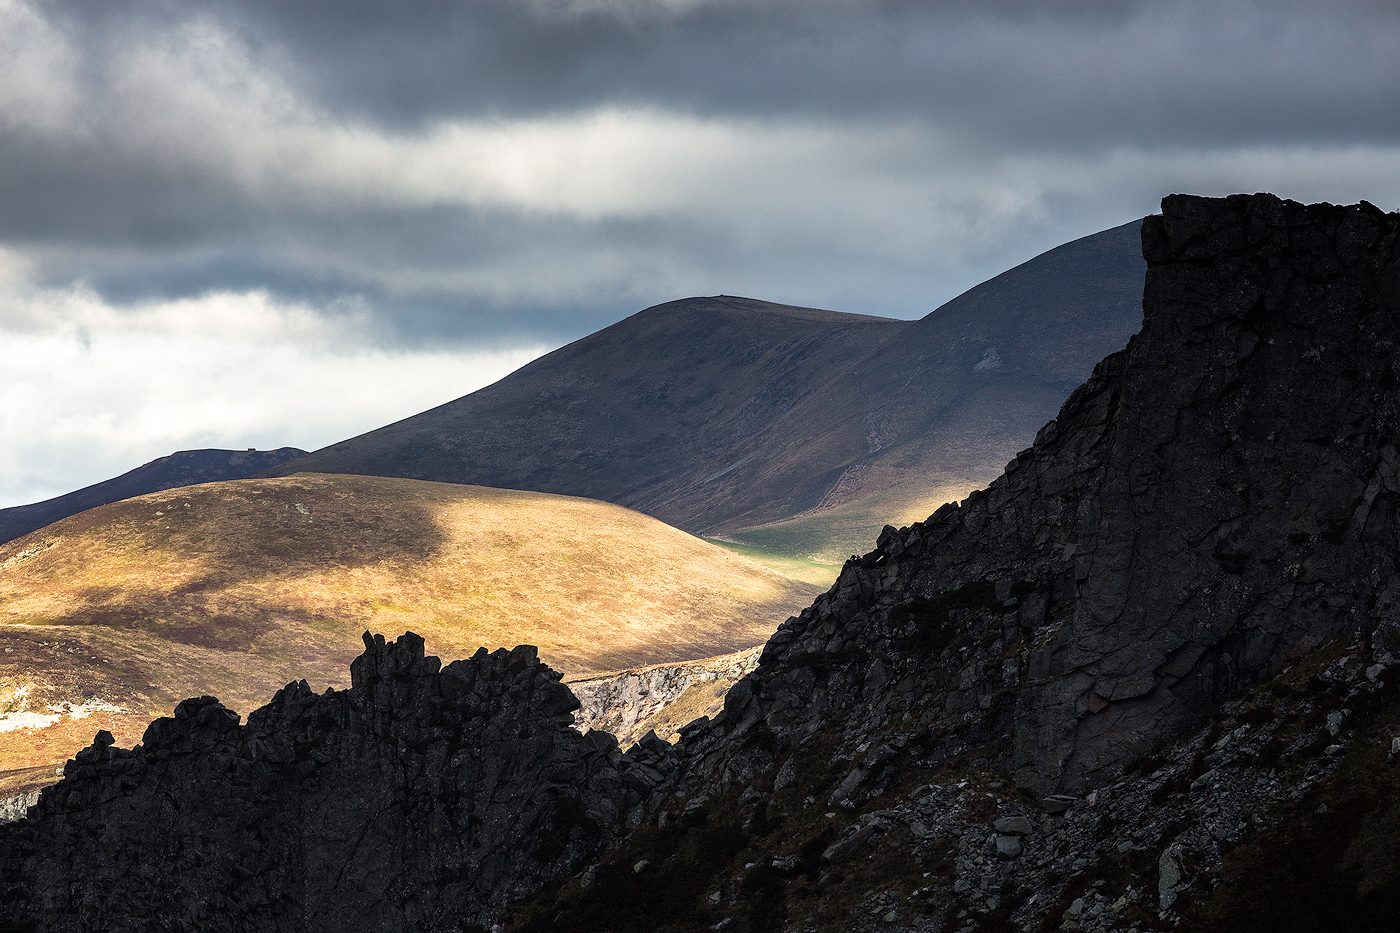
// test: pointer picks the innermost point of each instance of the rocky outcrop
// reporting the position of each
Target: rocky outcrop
(421, 798)
(659, 698)
(1277, 816)
(1144, 681)
(1171, 623)
(1218, 500)
(14, 808)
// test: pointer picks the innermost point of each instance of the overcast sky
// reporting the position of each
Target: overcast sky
(245, 223)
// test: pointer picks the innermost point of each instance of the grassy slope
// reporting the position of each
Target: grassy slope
(234, 589)
(825, 538)
(796, 431)
(805, 569)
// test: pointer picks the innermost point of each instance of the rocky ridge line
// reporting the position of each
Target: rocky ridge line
(1100, 695)
(1171, 622)
(1217, 501)
(423, 797)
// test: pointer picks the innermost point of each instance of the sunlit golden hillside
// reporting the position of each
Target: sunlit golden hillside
(233, 589)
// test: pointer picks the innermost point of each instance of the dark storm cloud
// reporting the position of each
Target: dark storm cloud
(1018, 73)
(234, 222)
(121, 195)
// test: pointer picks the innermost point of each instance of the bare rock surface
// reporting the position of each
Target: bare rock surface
(421, 798)
(1144, 681)
(15, 808)
(631, 703)
(1217, 501)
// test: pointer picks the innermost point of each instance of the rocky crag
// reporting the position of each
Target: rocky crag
(1216, 502)
(1144, 681)
(423, 797)
(15, 807)
(1071, 700)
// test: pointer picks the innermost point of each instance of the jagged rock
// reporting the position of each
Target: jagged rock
(421, 798)
(1217, 500)
(842, 851)
(1013, 826)
(1145, 622)
(1008, 847)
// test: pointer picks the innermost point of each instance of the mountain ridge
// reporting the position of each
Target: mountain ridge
(1149, 679)
(726, 415)
(182, 468)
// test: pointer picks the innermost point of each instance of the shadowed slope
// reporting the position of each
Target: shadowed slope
(791, 429)
(648, 413)
(182, 468)
(937, 411)
(233, 589)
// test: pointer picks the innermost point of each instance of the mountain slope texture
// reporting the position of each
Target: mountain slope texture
(112, 616)
(182, 468)
(798, 430)
(1146, 680)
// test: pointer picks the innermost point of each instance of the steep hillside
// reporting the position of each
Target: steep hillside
(1149, 680)
(667, 400)
(182, 468)
(796, 430)
(234, 589)
(938, 410)
(1145, 680)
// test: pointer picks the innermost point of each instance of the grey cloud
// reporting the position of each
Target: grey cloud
(1078, 81)
(1076, 75)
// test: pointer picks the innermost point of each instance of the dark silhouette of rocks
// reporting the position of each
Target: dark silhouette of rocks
(1216, 502)
(421, 798)
(182, 468)
(1146, 680)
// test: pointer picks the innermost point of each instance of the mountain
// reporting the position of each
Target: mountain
(1149, 679)
(796, 430)
(234, 588)
(182, 468)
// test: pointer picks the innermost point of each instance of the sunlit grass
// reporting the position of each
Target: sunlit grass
(832, 534)
(802, 569)
(241, 592)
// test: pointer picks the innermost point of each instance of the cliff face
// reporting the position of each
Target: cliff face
(421, 798)
(1171, 623)
(1218, 500)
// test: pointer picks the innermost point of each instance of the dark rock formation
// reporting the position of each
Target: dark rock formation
(182, 468)
(419, 799)
(1218, 500)
(1172, 621)
(1144, 681)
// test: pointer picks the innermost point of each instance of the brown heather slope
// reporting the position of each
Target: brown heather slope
(182, 468)
(797, 431)
(234, 589)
